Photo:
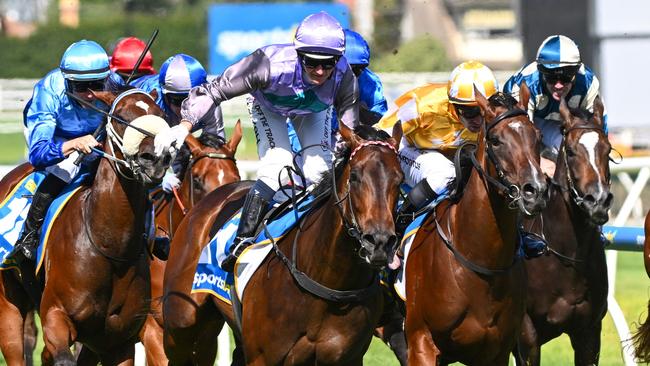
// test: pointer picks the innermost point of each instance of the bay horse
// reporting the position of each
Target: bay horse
(96, 268)
(567, 289)
(465, 284)
(641, 338)
(282, 323)
(211, 165)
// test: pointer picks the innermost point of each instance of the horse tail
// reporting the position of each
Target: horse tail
(641, 340)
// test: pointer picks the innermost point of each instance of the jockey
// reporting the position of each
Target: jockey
(58, 129)
(299, 81)
(125, 55)
(557, 72)
(436, 120)
(179, 74)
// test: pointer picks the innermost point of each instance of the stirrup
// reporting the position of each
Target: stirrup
(228, 264)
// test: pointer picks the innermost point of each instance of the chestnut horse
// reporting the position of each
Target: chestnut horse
(340, 246)
(641, 338)
(465, 285)
(96, 269)
(567, 289)
(211, 164)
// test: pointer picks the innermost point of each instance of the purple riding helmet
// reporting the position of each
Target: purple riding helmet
(320, 33)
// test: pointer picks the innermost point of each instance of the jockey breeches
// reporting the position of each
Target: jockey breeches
(274, 148)
(418, 164)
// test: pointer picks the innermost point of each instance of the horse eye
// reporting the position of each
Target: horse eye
(494, 141)
(570, 152)
(354, 177)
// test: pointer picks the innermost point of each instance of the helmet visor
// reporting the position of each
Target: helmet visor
(82, 86)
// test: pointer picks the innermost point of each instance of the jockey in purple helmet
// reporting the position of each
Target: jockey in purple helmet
(301, 82)
(178, 75)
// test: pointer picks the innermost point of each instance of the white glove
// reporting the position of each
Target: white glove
(167, 139)
(170, 181)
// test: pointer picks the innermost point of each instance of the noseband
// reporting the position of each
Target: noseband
(352, 226)
(502, 184)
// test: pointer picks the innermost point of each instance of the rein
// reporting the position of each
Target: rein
(352, 229)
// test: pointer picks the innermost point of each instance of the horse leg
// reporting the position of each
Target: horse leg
(86, 357)
(392, 331)
(205, 349)
(422, 350)
(586, 344)
(59, 335)
(151, 336)
(182, 325)
(13, 311)
(527, 350)
(30, 334)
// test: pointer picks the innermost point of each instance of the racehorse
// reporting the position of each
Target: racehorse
(211, 164)
(465, 285)
(641, 338)
(96, 269)
(567, 289)
(340, 245)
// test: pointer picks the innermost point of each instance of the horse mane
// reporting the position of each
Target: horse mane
(342, 157)
(500, 99)
(214, 141)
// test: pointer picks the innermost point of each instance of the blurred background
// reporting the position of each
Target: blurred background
(412, 42)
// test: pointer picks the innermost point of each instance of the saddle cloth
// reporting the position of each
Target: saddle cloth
(14, 209)
(210, 278)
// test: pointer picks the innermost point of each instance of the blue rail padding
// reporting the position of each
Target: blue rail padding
(625, 238)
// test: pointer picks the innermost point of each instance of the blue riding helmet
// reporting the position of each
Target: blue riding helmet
(558, 55)
(320, 33)
(84, 61)
(357, 51)
(180, 73)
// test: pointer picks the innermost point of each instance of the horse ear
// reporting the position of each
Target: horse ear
(483, 103)
(194, 144)
(524, 95)
(565, 113)
(236, 137)
(348, 136)
(397, 135)
(154, 94)
(104, 96)
(599, 111)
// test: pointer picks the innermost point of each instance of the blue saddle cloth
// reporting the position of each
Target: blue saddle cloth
(14, 209)
(210, 278)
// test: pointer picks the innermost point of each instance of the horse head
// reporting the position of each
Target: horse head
(372, 178)
(212, 162)
(133, 148)
(583, 161)
(512, 145)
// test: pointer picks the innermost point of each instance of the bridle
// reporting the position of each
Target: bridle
(352, 225)
(511, 191)
(195, 159)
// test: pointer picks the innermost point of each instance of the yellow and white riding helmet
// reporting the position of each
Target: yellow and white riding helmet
(460, 87)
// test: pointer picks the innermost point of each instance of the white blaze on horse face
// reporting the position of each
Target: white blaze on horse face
(143, 105)
(515, 125)
(589, 140)
(220, 176)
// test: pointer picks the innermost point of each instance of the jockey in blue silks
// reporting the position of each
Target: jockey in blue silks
(179, 74)
(58, 128)
(302, 81)
(557, 72)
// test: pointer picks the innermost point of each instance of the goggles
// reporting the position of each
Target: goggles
(555, 78)
(467, 111)
(175, 99)
(312, 62)
(78, 86)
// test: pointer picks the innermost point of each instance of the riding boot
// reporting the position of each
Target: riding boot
(29, 240)
(421, 195)
(532, 245)
(255, 207)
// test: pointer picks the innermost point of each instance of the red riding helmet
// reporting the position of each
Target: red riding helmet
(126, 54)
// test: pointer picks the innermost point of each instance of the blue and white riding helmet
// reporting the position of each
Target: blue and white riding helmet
(180, 73)
(558, 55)
(357, 51)
(84, 61)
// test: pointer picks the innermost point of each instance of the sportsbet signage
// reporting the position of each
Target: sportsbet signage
(236, 30)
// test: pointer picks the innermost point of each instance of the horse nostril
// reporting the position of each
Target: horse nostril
(590, 199)
(608, 200)
(369, 238)
(529, 190)
(392, 240)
